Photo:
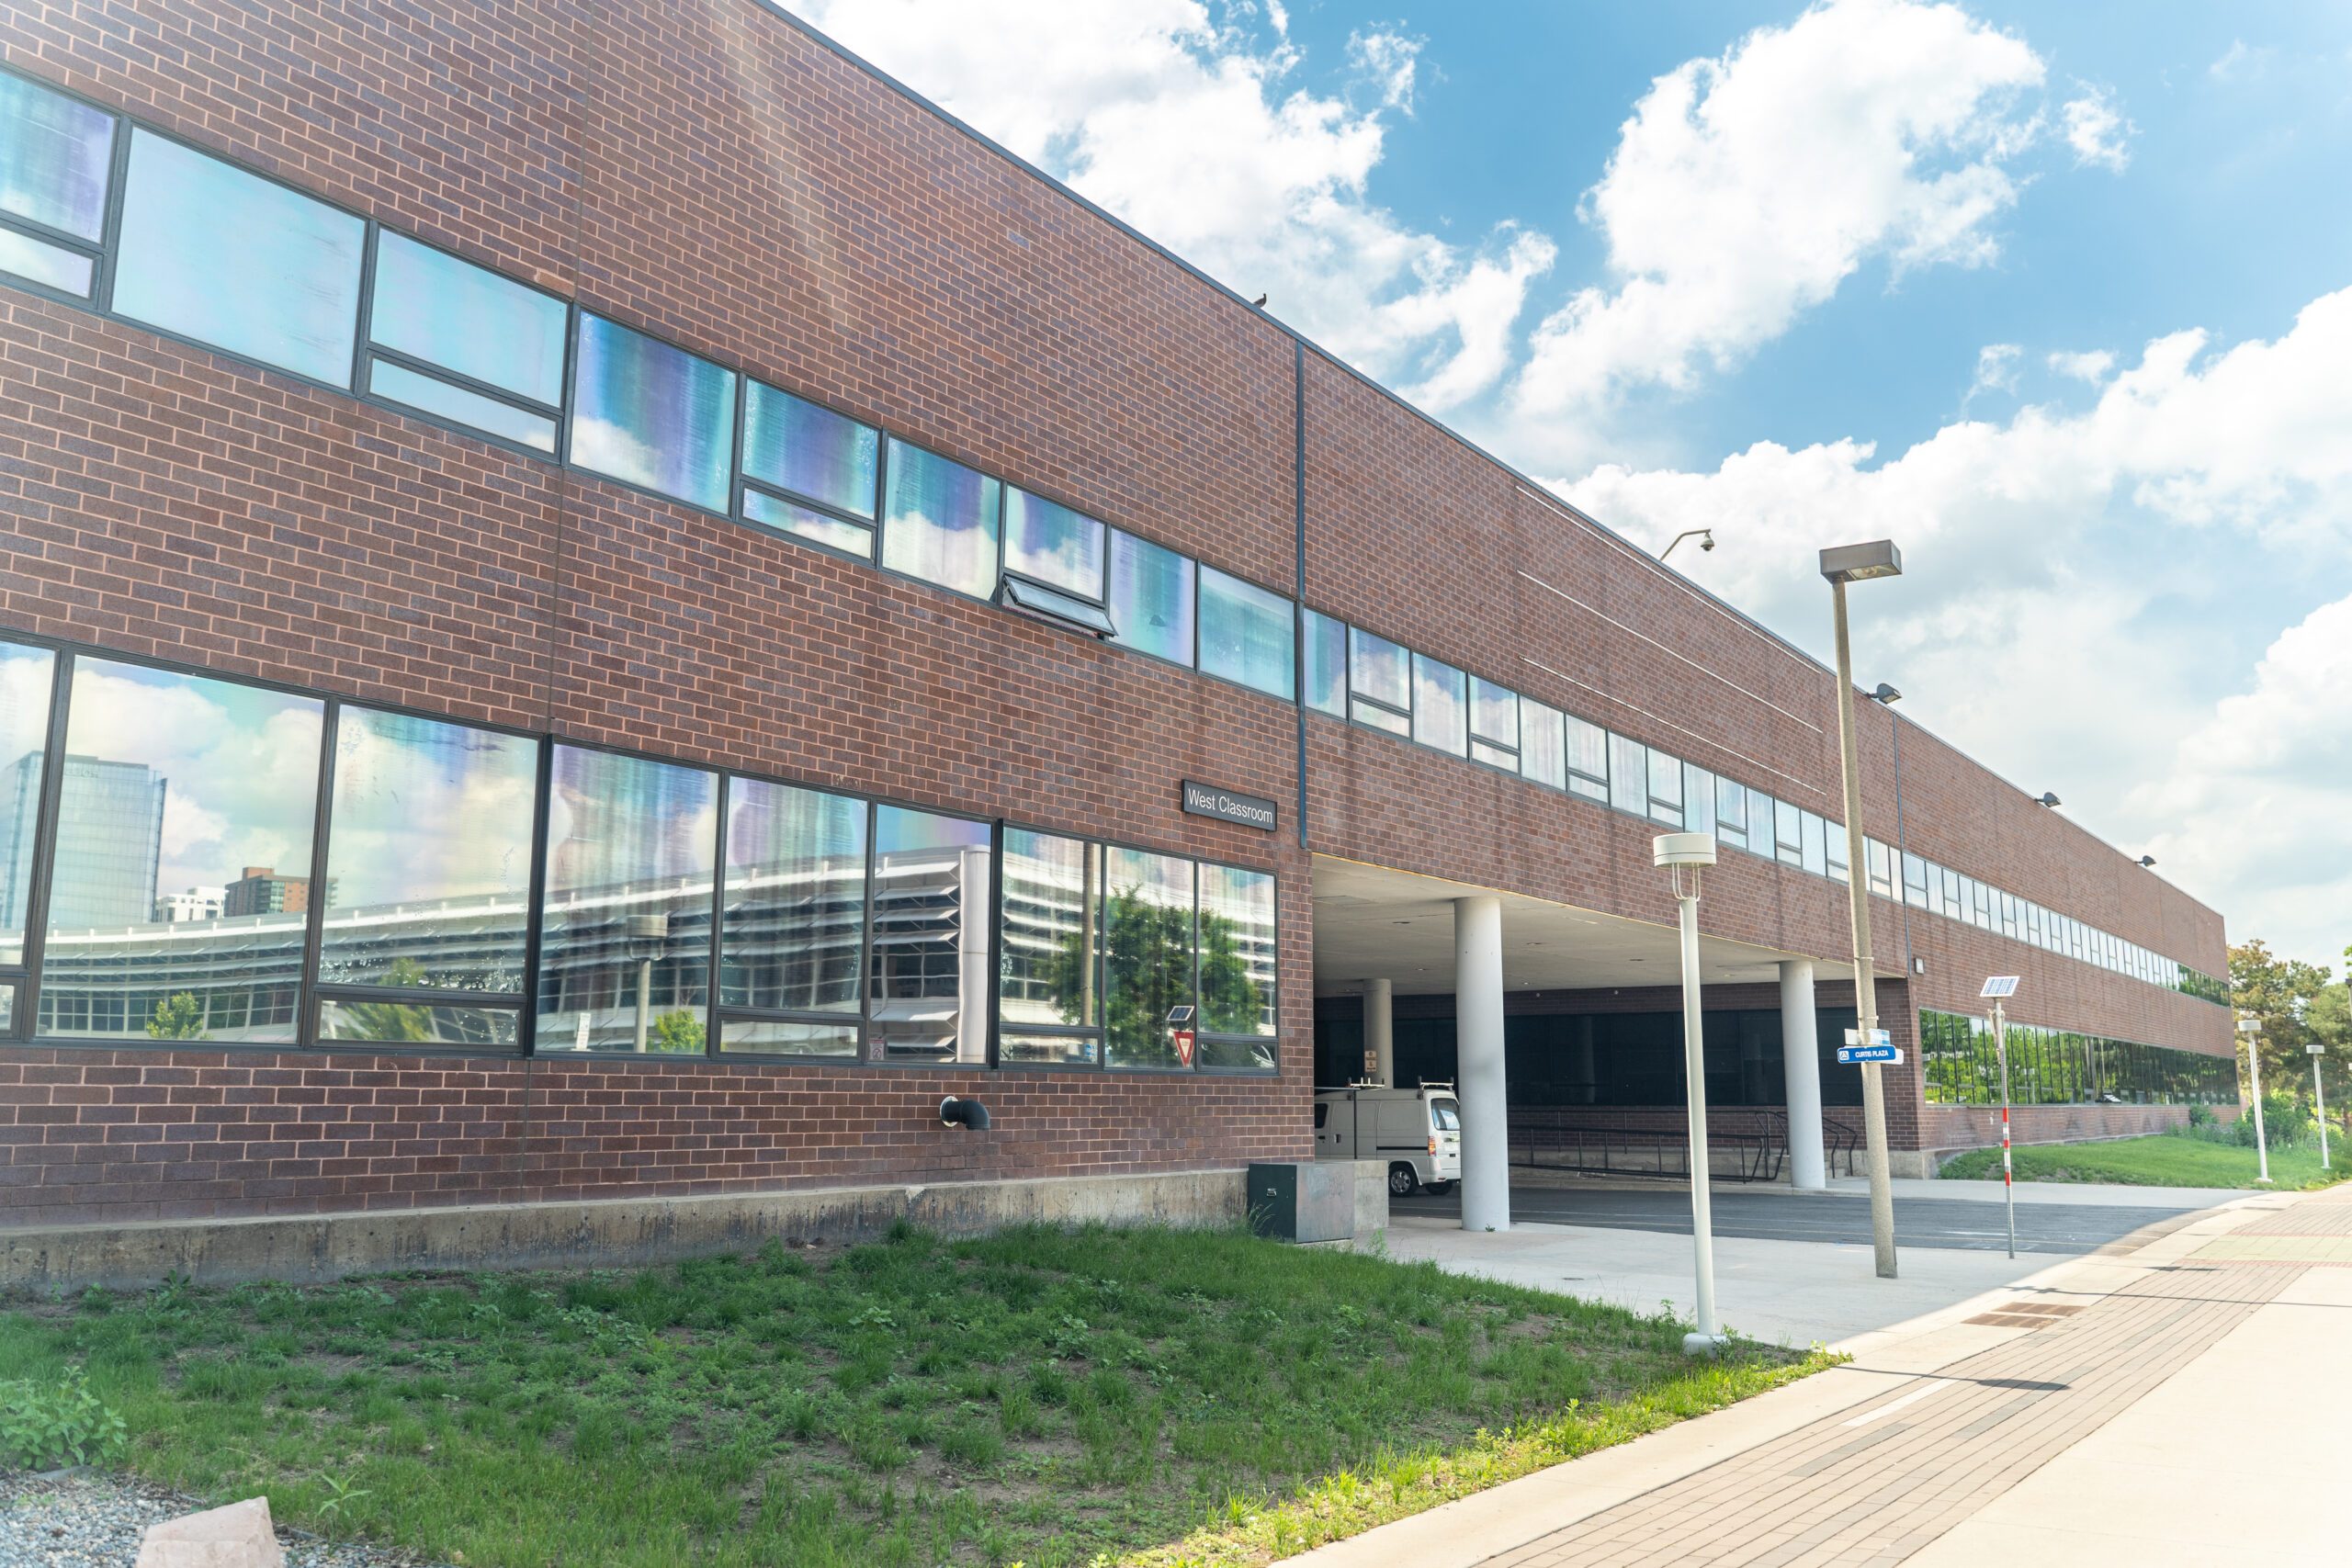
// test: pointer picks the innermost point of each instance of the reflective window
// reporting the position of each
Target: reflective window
(1914, 881)
(25, 675)
(1494, 724)
(1588, 746)
(1148, 958)
(428, 856)
(1238, 963)
(1246, 633)
(791, 923)
(1787, 831)
(1049, 985)
(1046, 540)
(940, 521)
(624, 933)
(55, 157)
(808, 523)
(51, 267)
(929, 971)
(1440, 703)
(1835, 832)
(1151, 597)
(1544, 748)
(435, 308)
(1813, 846)
(803, 449)
(177, 781)
(1629, 775)
(397, 383)
(1698, 799)
(236, 261)
(1731, 813)
(1665, 788)
(786, 1037)
(1880, 867)
(1327, 664)
(1380, 682)
(651, 415)
(384, 1020)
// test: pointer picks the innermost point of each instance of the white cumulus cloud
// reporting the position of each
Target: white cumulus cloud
(2097, 130)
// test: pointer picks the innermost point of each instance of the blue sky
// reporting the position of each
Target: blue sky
(2061, 298)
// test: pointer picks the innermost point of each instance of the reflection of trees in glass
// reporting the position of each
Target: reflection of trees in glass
(393, 1022)
(1147, 951)
(677, 1032)
(179, 1016)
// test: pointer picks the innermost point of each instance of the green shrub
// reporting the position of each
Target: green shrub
(44, 1426)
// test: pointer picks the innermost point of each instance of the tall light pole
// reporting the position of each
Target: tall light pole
(2319, 1098)
(1860, 563)
(1998, 988)
(2252, 1028)
(1684, 855)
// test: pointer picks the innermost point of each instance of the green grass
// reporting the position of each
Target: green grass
(1042, 1397)
(2163, 1159)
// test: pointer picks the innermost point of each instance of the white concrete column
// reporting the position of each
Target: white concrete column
(1380, 1030)
(1801, 1065)
(1478, 1044)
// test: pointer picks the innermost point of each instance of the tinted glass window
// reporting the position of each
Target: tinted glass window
(1588, 746)
(1246, 633)
(807, 450)
(1440, 704)
(38, 261)
(1051, 975)
(1148, 958)
(234, 260)
(1787, 830)
(428, 854)
(1698, 799)
(1812, 846)
(1494, 713)
(25, 682)
(940, 523)
(1151, 597)
(397, 383)
(1665, 788)
(930, 965)
(1046, 540)
(55, 156)
(649, 414)
(793, 925)
(433, 307)
(1543, 753)
(1379, 669)
(1237, 967)
(1731, 812)
(1327, 664)
(176, 782)
(1629, 775)
(808, 523)
(625, 942)
(1445, 1115)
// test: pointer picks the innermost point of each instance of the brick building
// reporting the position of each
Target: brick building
(730, 579)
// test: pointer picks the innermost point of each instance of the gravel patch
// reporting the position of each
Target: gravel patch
(91, 1521)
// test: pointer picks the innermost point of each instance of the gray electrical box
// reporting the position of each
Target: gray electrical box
(1306, 1201)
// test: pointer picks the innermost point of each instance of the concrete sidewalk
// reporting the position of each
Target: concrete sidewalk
(2176, 1402)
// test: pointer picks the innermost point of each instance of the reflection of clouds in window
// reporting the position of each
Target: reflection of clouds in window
(25, 675)
(652, 415)
(427, 810)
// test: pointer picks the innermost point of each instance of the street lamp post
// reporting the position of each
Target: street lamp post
(2319, 1098)
(1684, 855)
(1844, 564)
(1997, 989)
(2252, 1028)
(648, 934)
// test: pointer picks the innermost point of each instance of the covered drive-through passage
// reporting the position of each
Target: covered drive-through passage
(1559, 1024)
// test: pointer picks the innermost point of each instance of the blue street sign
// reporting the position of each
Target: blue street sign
(1887, 1055)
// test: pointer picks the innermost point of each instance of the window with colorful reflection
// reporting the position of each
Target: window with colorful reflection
(652, 415)
(928, 989)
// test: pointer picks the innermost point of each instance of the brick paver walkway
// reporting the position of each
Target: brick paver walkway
(1877, 1481)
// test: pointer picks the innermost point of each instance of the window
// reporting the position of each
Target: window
(1439, 703)
(1380, 682)
(1914, 881)
(1049, 987)
(1629, 775)
(1327, 664)
(1665, 788)
(1952, 893)
(940, 521)
(1543, 747)
(809, 472)
(177, 781)
(1788, 832)
(56, 157)
(1246, 633)
(1148, 958)
(1835, 832)
(1238, 968)
(1881, 868)
(624, 925)
(428, 878)
(432, 313)
(651, 415)
(1813, 847)
(791, 920)
(1151, 598)
(1697, 799)
(1494, 725)
(929, 976)
(26, 677)
(1046, 542)
(231, 259)
(1731, 813)
(1588, 747)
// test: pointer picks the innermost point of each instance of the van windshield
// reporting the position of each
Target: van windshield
(1445, 1115)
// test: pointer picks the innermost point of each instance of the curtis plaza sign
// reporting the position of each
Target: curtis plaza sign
(1250, 810)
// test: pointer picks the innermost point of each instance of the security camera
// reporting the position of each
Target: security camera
(1707, 543)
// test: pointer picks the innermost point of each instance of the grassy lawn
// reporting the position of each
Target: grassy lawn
(2165, 1159)
(1036, 1397)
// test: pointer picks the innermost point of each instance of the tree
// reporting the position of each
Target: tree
(2279, 993)
(1147, 950)
(678, 1033)
(393, 1023)
(179, 1016)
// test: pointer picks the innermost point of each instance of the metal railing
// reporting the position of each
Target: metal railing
(1755, 1140)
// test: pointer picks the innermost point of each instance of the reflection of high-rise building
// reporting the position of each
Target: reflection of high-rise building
(196, 904)
(110, 817)
(261, 891)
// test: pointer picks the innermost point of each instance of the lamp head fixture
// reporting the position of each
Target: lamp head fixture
(2148, 860)
(1886, 694)
(1860, 563)
(2046, 798)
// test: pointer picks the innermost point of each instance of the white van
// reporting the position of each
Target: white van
(1417, 1130)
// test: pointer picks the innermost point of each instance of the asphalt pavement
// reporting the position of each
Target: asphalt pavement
(2056, 1228)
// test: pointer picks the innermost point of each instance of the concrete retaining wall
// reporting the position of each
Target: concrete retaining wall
(600, 1234)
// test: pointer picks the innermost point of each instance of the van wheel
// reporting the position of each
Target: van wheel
(1442, 1189)
(1402, 1182)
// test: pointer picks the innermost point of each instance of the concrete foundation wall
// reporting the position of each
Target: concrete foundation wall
(603, 1234)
